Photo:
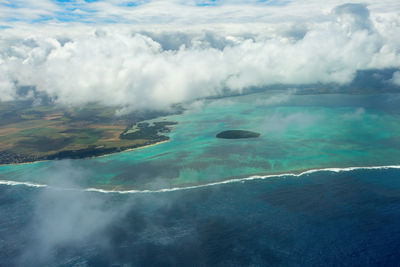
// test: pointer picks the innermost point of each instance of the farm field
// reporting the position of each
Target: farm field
(48, 132)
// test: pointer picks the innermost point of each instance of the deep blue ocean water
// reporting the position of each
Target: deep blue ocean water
(319, 219)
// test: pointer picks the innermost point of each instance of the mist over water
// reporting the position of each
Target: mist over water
(322, 218)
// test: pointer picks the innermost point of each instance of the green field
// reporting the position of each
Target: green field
(45, 132)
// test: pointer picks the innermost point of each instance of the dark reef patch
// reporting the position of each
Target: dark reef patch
(237, 134)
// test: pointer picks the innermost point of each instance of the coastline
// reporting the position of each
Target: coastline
(103, 155)
(130, 149)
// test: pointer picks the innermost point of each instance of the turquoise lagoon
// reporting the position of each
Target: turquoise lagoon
(298, 132)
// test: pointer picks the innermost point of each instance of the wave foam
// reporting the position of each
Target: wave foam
(14, 183)
(236, 180)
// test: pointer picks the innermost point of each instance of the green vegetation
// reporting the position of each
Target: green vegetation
(30, 133)
(145, 130)
(237, 134)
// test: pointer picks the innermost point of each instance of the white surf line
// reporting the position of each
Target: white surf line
(236, 180)
(29, 184)
(14, 183)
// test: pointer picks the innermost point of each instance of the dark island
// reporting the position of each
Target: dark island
(237, 134)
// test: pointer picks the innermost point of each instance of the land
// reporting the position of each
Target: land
(31, 133)
(237, 134)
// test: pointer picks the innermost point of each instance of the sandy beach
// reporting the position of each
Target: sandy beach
(108, 154)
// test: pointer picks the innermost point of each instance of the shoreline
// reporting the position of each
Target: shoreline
(104, 155)
(296, 173)
(128, 149)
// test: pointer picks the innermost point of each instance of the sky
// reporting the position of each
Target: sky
(152, 54)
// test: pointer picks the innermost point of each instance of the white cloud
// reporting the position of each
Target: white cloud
(276, 99)
(356, 115)
(146, 65)
(396, 78)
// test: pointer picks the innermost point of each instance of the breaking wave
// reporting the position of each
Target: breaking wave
(14, 183)
(235, 180)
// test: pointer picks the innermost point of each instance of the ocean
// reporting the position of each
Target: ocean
(320, 187)
(324, 218)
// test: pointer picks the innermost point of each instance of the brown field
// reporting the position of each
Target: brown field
(43, 130)
(34, 133)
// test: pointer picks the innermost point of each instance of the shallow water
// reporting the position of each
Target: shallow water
(202, 201)
(298, 132)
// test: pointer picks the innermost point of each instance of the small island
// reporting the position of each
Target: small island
(237, 134)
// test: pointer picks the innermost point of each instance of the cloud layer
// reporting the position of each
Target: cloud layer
(145, 65)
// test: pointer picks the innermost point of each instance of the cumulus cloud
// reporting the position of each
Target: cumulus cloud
(151, 66)
(276, 99)
(354, 16)
(396, 78)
